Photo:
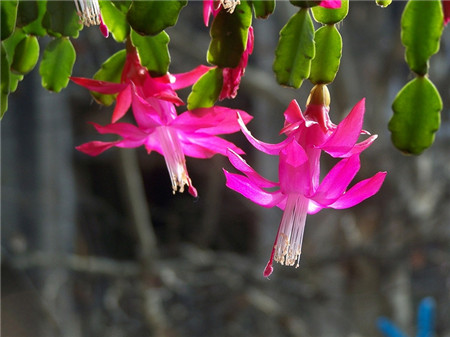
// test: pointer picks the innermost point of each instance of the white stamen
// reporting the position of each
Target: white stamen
(88, 12)
(288, 246)
(230, 5)
(174, 157)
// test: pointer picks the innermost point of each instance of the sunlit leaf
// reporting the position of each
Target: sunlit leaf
(110, 71)
(263, 8)
(4, 72)
(35, 27)
(422, 24)
(26, 55)
(229, 33)
(416, 116)
(383, 3)
(295, 50)
(153, 52)
(152, 17)
(329, 16)
(207, 90)
(115, 20)
(56, 65)
(325, 64)
(8, 14)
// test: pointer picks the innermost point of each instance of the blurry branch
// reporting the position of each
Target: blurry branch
(77, 263)
(134, 194)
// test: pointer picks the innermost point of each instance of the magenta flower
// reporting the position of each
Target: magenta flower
(299, 190)
(330, 3)
(446, 6)
(213, 7)
(232, 76)
(135, 79)
(159, 128)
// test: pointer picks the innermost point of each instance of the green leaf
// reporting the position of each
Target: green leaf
(295, 50)
(206, 90)
(263, 8)
(27, 12)
(11, 43)
(8, 14)
(383, 3)
(14, 80)
(416, 116)
(4, 72)
(61, 19)
(122, 5)
(110, 71)
(329, 16)
(56, 65)
(153, 52)
(325, 64)
(35, 27)
(229, 34)
(26, 55)
(152, 17)
(422, 24)
(115, 20)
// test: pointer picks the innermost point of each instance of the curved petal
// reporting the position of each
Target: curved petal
(357, 149)
(96, 147)
(123, 103)
(248, 189)
(186, 79)
(336, 181)
(330, 4)
(212, 121)
(144, 113)
(124, 130)
(102, 87)
(254, 176)
(347, 132)
(205, 146)
(361, 191)
(273, 149)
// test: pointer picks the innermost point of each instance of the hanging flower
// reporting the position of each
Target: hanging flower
(89, 13)
(159, 128)
(232, 76)
(299, 190)
(135, 79)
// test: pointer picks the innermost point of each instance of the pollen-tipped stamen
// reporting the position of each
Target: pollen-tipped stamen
(88, 11)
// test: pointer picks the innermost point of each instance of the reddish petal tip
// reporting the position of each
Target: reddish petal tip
(268, 270)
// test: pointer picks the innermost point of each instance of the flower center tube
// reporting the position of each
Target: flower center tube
(288, 245)
(88, 11)
(175, 159)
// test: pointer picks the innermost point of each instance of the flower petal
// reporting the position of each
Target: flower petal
(336, 181)
(124, 130)
(361, 191)
(272, 149)
(123, 103)
(330, 3)
(205, 146)
(102, 87)
(254, 176)
(347, 132)
(250, 190)
(186, 79)
(213, 121)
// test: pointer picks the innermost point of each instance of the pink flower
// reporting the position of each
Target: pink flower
(232, 76)
(299, 190)
(213, 7)
(135, 79)
(446, 5)
(330, 3)
(159, 128)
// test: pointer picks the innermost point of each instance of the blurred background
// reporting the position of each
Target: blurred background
(99, 246)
